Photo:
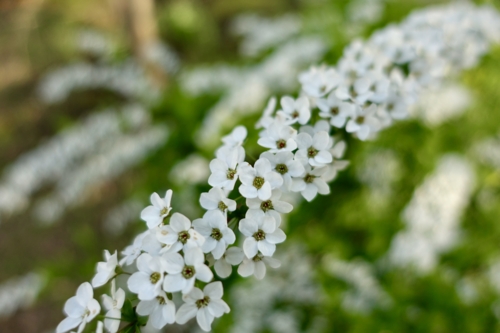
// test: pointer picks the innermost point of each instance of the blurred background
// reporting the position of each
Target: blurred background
(104, 102)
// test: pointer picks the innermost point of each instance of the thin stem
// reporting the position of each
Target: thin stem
(104, 317)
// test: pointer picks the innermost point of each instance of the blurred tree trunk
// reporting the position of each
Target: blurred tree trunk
(139, 22)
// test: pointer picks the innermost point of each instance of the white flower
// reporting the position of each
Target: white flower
(146, 242)
(155, 214)
(311, 183)
(285, 164)
(233, 256)
(314, 149)
(213, 226)
(100, 327)
(113, 304)
(80, 309)
(337, 164)
(319, 81)
(256, 266)
(225, 169)
(258, 209)
(178, 234)
(378, 86)
(319, 126)
(236, 137)
(259, 181)
(147, 282)
(105, 269)
(364, 122)
(337, 110)
(161, 310)
(262, 235)
(182, 272)
(267, 118)
(216, 199)
(296, 110)
(204, 305)
(279, 138)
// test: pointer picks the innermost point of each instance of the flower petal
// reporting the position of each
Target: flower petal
(266, 248)
(222, 268)
(185, 313)
(218, 307)
(213, 290)
(203, 273)
(260, 270)
(204, 319)
(248, 227)
(68, 324)
(248, 191)
(250, 247)
(179, 222)
(278, 236)
(234, 255)
(246, 268)
(174, 282)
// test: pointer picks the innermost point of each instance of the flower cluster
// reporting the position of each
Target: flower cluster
(376, 82)
(373, 85)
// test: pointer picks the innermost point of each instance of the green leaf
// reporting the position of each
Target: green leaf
(131, 329)
(128, 312)
(142, 320)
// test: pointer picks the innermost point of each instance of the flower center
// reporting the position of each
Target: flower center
(258, 182)
(163, 211)
(295, 114)
(259, 235)
(309, 178)
(230, 173)
(222, 206)
(281, 144)
(282, 168)
(266, 205)
(216, 234)
(155, 277)
(184, 236)
(201, 303)
(258, 257)
(360, 120)
(188, 272)
(334, 110)
(353, 92)
(161, 300)
(311, 152)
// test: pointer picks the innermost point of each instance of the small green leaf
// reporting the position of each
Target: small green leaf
(130, 329)
(142, 320)
(128, 312)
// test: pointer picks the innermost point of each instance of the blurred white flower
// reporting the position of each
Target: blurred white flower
(204, 305)
(160, 208)
(147, 282)
(161, 310)
(182, 272)
(216, 199)
(113, 305)
(257, 266)
(80, 309)
(105, 269)
(233, 256)
(213, 226)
